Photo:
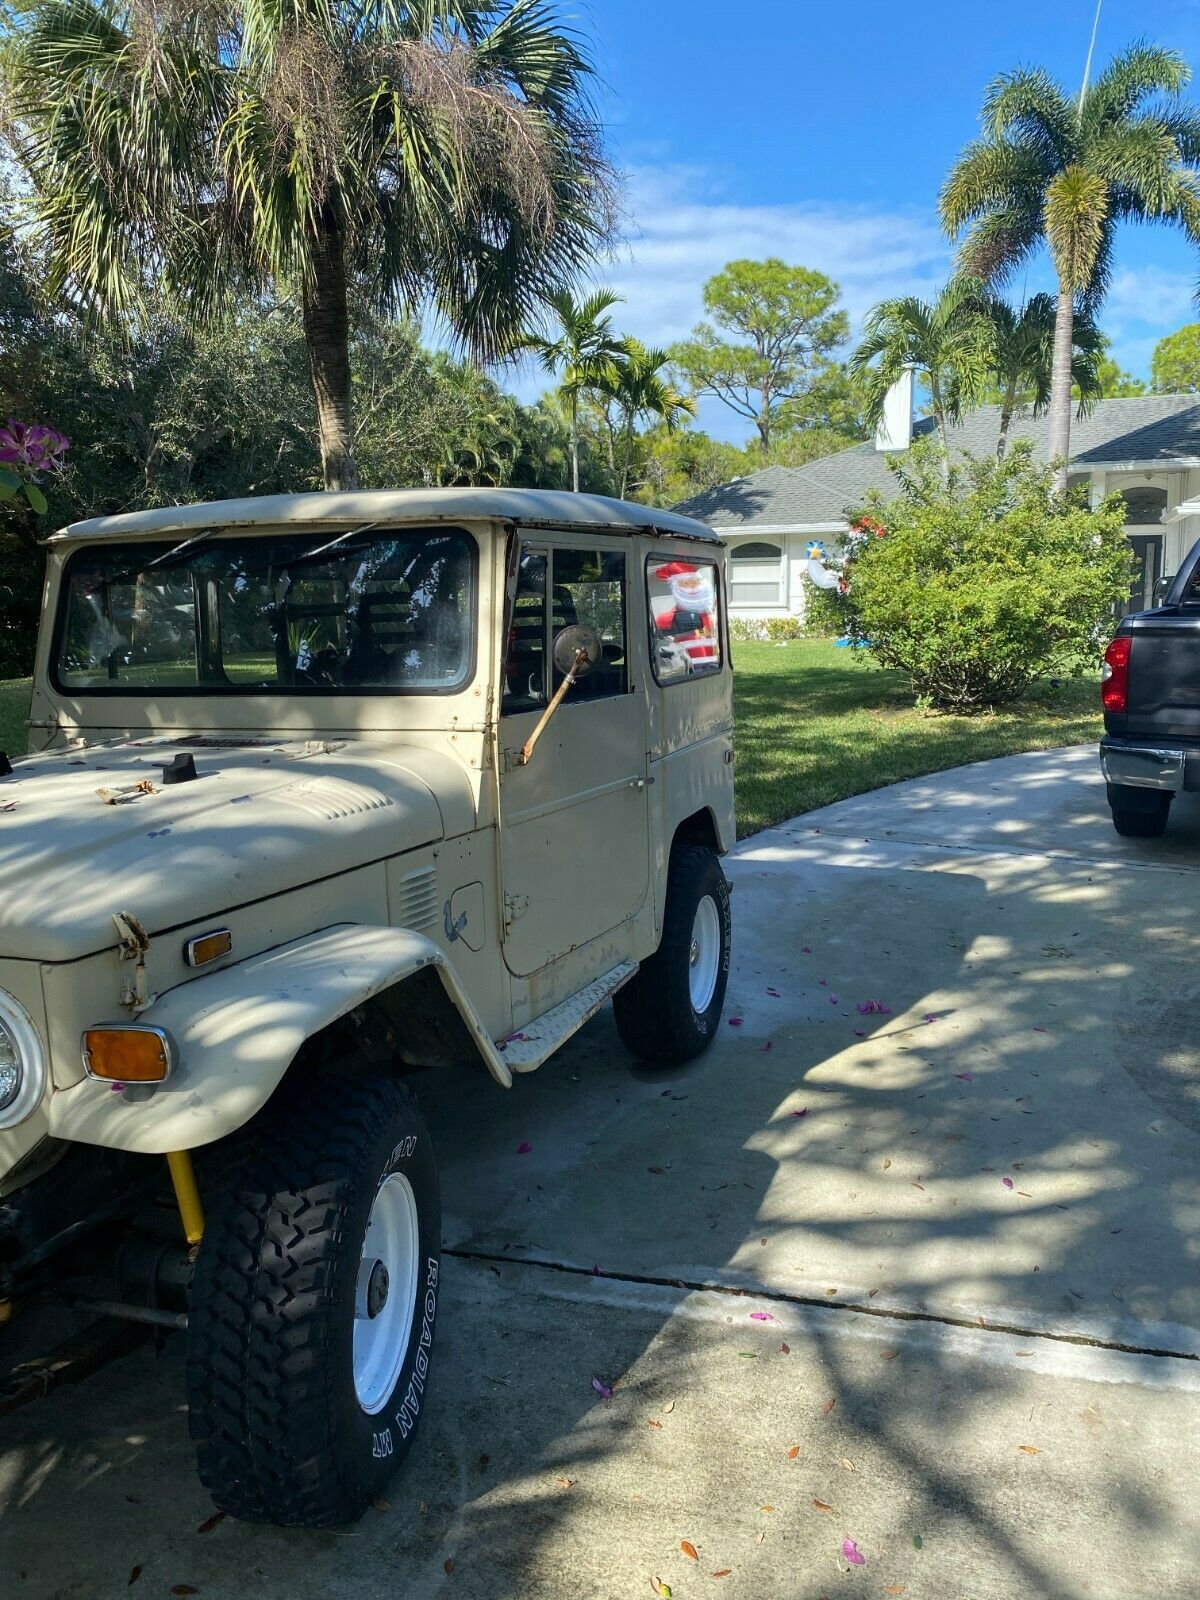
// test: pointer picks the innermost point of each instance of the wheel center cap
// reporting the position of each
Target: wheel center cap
(377, 1289)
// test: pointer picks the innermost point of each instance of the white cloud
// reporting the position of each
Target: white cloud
(682, 228)
(1153, 296)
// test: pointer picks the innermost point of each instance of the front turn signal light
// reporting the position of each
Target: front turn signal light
(128, 1053)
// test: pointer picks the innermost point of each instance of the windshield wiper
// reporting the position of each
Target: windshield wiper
(332, 544)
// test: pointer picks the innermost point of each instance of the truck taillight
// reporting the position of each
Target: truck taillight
(1114, 679)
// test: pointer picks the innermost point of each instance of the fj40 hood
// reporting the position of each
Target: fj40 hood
(88, 832)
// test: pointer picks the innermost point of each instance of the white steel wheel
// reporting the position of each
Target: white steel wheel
(386, 1295)
(704, 954)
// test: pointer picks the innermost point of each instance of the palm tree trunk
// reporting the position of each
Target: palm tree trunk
(1007, 406)
(939, 417)
(575, 443)
(626, 456)
(327, 336)
(1060, 386)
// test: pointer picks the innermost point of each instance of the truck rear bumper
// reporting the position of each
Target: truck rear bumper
(1148, 766)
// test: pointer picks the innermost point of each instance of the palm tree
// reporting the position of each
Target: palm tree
(436, 154)
(583, 348)
(948, 340)
(1063, 170)
(638, 386)
(1023, 358)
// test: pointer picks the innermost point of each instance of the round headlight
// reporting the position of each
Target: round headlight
(22, 1063)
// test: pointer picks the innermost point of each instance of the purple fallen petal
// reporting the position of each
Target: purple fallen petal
(767, 1046)
(930, 1016)
(1007, 1182)
(1041, 1030)
(859, 1034)
(803, 1113)
(806, 949)
(595, 1272)
(853, 1554)
(602, 1388)
(524, 1147)
(967, 1077)
(774, 993)
(736, 1022)
(824, 982)
(833, 999)
(761, 1316)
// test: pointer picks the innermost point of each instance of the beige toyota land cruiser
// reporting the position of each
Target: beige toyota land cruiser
(325, 789)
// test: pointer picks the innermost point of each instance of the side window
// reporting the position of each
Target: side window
(685, 617)
(589, 586)
(525, 659)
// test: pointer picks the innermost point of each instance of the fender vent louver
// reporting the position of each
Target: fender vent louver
(416, 900)
(331, 799)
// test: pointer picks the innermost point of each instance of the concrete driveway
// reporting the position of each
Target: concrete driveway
(921, 1276)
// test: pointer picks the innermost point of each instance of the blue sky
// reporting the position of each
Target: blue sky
(821, 132)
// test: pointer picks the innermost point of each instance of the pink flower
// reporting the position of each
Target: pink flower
(524, 1147)
(853, 1554)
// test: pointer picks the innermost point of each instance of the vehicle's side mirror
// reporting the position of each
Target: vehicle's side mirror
(1162, 589)
(576, 651)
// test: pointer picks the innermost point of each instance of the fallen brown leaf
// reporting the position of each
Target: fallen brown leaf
(1030, 1449)
(722, 1572)
(887, 1161)
(212, 1522)
(894, 1588)
(888, 1355)
(766, 1508)
(482, 1464)
(831, 1291)
(759, 1537)
(670, 1406)
(785, 1349)
(828, 1406)
(184, 1588)
(819, 1505)
(793, 1452)
(448, 1565)
(134, 1576)
(849, 1465)
(653, 1422)
(565, 1483)
(381, 1505)
(689, 1549)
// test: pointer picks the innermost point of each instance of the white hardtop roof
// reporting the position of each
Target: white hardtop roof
(532, 508)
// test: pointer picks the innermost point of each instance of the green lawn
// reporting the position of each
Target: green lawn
(815, 724)
(14, 708)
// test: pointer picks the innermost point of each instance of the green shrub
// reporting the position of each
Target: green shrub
(978, 579)
(781, 630)
(825, 615)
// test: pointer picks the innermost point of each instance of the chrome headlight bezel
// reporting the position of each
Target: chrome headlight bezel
(31, 1058)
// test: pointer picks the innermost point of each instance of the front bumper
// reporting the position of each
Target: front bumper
(1149, 766)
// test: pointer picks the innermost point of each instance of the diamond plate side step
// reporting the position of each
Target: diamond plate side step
(531, 1045)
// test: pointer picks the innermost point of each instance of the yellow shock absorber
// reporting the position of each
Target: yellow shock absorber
(187, 1195)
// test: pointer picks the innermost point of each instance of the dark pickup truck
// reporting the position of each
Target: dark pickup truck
(1151, 695)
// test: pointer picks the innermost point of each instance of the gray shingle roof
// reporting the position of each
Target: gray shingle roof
(1143, 429)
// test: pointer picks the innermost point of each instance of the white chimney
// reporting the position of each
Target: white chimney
(894, 429)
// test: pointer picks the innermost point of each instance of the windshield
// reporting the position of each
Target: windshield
(311, 612)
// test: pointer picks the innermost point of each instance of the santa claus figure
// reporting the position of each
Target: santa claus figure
(687, 613)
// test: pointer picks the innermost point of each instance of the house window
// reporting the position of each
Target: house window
(755, 575)
(1144, 507)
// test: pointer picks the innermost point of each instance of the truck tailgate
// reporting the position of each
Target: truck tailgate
(1164, 674)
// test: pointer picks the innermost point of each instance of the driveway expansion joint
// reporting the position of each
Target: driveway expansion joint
(822, 1302)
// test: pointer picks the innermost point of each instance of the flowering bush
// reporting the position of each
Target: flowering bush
(27, 451)
(977, 581)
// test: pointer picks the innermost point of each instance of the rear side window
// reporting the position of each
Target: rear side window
(685, 617)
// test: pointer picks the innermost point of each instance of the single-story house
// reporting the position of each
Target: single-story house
(1146, 448)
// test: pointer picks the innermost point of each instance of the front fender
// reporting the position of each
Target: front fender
(238, 1030)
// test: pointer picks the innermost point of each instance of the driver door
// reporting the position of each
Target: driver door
(574, 826)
